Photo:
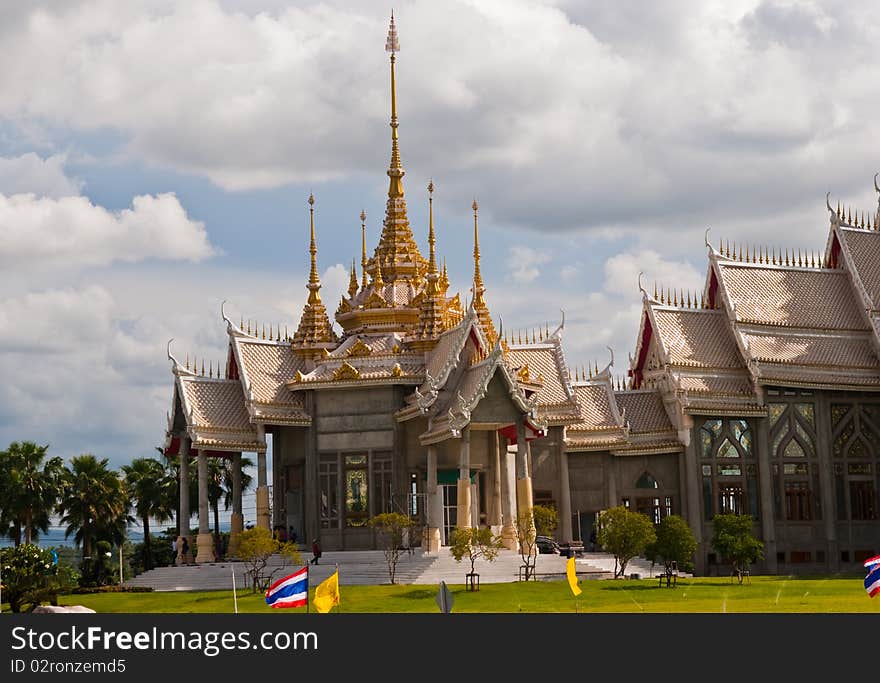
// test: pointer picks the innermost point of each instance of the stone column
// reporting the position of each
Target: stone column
(564, 492)
(523, 480)
(431, 541)
(206, 538)
(464, 480)
(611, 479)
(183, 489)
(765, 488)
(236, 522)
(262, 483)
(695, 509)
(495, 510)
(508, 500)
(826, 479)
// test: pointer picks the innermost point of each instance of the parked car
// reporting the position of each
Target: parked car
(547, 545)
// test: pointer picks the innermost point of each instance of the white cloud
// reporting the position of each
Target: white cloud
(42, 177)
(72, 231)
(524, 261)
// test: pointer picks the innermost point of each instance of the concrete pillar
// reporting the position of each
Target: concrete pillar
(236, 522)
(508, 499)
(495, 459)
(431, 540)
(524, 496)
(464, 480)
(262, 484)
(565, 531)
(695, 509)
(765, 488)
(826, 479)
(183, 519)
(206, 538)
(611, 480)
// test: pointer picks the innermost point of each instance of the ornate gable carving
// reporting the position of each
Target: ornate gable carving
(359, 349)
(346, 371)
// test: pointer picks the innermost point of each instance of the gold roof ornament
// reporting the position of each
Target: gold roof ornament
(346, 372)
(363, 249)
(523, 374)
(359, 349)
(352, 281)
(431, 300)
(314, 326)
(396, 371)
(479, 288)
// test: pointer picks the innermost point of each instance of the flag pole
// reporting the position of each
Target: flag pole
(308, 585)
(234, 594)
(338, 601)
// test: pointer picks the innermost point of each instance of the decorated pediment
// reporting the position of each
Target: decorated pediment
(346, 371)
(359, 349)
(344, 306)
(375, 300)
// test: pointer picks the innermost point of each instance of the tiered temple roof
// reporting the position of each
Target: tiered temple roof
(765, 317)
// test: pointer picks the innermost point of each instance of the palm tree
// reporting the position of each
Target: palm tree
(215, 491)
(148, 484)
(29, 492)
(93, 503)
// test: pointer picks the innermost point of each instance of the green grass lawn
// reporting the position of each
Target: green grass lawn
(765, 594)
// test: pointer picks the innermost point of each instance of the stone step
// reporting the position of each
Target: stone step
(369, 567)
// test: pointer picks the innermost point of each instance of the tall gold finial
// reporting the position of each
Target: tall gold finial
(432, 259)
(314, 282)
(352, 281)
(395, 170)
(478, 278)
(363, 249)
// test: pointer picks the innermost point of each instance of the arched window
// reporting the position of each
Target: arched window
(794, 462)
(856, 449)
(729, 473)
(646, 481)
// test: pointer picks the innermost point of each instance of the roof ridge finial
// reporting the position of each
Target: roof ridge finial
(314, 282)
(395, 169)
(352, 281)
(363, 218)
(432, 239)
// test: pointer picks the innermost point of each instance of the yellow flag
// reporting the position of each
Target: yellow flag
(327, 593)
(572, 577)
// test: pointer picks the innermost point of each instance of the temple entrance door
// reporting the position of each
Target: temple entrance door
(450, 510)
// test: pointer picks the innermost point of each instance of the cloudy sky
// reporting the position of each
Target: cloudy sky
(156, 157)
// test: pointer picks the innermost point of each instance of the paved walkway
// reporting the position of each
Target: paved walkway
(368, 567)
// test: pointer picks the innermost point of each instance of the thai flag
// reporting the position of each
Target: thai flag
(872, 581)
(872, 562)
(291, 591)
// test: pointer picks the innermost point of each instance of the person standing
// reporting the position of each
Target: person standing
(316, 551)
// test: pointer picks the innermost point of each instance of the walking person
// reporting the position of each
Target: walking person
(316, 552)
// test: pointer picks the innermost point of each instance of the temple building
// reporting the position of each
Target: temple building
(758, 395)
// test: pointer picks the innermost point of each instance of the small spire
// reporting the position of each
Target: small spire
(211, 369)
(378, 282)
(314, 284)
(352, 281)
(363, 249)
(187, 360)
(655, 290)
(203, 367)
(264, 331)
(432, 258)
(286, 336)
(547, 329)
(240, 323)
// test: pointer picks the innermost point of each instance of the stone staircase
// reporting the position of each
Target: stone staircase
(368, 567)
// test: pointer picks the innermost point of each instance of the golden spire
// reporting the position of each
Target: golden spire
(432, 258)
(314, 283)
(444, 277)
(314, 325)
(395, 171)
(352, 281)
(479, 288)
(363, 249)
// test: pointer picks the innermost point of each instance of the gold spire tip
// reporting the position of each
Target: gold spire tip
(311, 199)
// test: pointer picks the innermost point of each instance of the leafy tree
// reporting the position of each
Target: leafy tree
(675, 545)
(391, 527)
(474, 543)
(624, 534)
(525, 536)
(29, 488)
(147, 484)
(93, 503)
(31, 576)
(546, 519)
(733, 540)
(256, 546)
